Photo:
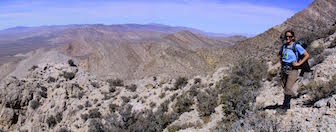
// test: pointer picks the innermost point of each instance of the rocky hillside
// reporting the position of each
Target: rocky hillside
(59, 90)
(316, 21)
(64, 97)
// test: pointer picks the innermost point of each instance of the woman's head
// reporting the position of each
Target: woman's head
(289, 36)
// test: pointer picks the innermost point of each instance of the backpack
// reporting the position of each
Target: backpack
(305, 67)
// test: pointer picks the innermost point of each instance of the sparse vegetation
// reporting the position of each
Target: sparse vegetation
(95, 84)
(318, 90)
(71, 63)
(33, 68)
(34, 104)
(88, 104)
(51, 79)
(113, 107)
(240, 89)
(180, 83)
(197, 81)
(115, 82)
(51, 121)
(68, 75)
(125, 99)
(80, 107)
(207, 102)
(131, 87)
(162, 95)
(183, 104)
(112, 89)
(94, 113)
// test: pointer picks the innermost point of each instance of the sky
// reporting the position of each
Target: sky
(217, 16)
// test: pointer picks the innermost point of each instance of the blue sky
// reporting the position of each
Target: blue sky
(218, 16)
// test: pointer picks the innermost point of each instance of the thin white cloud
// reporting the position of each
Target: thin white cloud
(230, 17)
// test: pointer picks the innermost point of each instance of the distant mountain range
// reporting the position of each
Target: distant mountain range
(123, 51)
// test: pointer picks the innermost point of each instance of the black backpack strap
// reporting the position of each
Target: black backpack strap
(295, 51)
(281, 50)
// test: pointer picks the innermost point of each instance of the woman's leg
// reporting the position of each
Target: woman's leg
(291, 79)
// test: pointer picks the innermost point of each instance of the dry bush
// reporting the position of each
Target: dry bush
(115, 82)
(319, 90)
(183, 104)
(131, 87)
(71, 63)
(34, 104)
(240, 89)
(51, 121)
(180, 83)
(68, 75)
(207, 102)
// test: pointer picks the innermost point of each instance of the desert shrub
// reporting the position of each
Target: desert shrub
(164, 106)
(43, 94)
(162, 95)
(80, 107)
(33, 68)
(68, 75)
(115, 82)
(113, 107)
(152, 104)
(51, 79)
(255, 122)
(240, 89)
(87, 104)
(59, 117)
(318, 89)
(95, 84)
(84, 117)
(94, 113)
(207, 102)
(34, 104)
(95, 101)
(43, 88)
(51, 121)
(96, 125)
(131, 87)
(71, 63)
(145, 120)
(112, 89)
(63, 129)
(125, 99)
(194, 90)
(248, 72)
(333, 44)
(197, 81)
(180, 83)
(315, 51)
(317, 60)
(183, 104)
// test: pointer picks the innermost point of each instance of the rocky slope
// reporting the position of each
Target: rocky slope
(63, 97)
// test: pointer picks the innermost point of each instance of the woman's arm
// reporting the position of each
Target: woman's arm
(305, 58)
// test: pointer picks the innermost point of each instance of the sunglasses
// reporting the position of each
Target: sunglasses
(289, 37)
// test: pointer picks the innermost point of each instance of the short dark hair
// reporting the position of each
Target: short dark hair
(283, 36)
(290, 31)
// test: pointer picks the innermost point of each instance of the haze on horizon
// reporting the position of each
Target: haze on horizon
(217, 16)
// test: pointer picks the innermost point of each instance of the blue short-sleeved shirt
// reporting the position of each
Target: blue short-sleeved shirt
(288, 54)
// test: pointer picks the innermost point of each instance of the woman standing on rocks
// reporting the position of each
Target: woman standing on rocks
(289, 66)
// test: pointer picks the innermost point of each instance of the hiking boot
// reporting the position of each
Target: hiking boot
(286, 103)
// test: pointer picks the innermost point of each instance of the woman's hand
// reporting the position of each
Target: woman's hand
(296, 64)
